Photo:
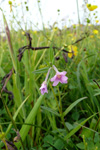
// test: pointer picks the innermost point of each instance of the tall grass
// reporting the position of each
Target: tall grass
(67, 117)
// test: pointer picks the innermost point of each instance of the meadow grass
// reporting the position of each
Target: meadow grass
(65, 118)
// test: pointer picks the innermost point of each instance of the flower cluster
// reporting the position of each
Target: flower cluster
(59, 77)
(72, 51)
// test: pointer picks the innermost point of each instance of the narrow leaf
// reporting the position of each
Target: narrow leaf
(50, 110)
(43, 70)
(10, 43)
(78, 127)
(16, 113)
(25, 128)
(73, 105)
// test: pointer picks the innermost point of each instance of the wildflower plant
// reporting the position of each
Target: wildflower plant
(43, 120)
(95, 31)
(59, 77)
(43, 87)
(91, 7)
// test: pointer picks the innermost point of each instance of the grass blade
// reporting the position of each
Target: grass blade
(73, 105)
(16, 113)
(25, 128)
(10, 43)
(78, 127)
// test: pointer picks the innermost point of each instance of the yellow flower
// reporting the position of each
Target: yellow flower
(35, 32)
(91, 36)
(73, 51)
(97, 21)
(95, 31)
(23, 32)
(91, 7)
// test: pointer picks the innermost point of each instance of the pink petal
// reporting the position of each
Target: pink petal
(55, 82)
(44, 91)
(62, 73)
(53, 78)
(59, 77)
(43, 88)
(64, 79)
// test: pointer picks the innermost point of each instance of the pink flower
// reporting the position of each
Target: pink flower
(43, 88)
(59, 77)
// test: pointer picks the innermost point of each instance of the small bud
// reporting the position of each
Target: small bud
(10, 2)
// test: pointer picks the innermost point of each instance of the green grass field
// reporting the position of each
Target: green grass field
(67, 116)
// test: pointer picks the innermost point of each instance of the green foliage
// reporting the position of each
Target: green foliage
(51, 143)
(68, 116)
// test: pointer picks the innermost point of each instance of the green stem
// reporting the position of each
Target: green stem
(55, 97)
(61, 113)
(78, 11)
(59, 108)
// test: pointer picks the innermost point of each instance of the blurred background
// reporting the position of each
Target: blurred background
(34, 14)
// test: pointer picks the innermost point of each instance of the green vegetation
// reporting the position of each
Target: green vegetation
(68, 116)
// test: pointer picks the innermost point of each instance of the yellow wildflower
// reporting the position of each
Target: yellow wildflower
(91, 36)
(97, 21)
(95, 31)
(73, 51)
(91, 7)
(23, 32)
(35, 32)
